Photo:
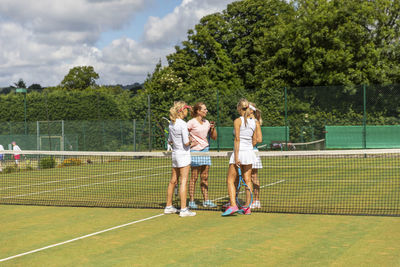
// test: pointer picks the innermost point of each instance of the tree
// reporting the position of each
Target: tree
(80, 78)
(20, 84)
(35, 87)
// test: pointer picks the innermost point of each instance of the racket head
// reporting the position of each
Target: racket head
(165, 124)
(241, 192)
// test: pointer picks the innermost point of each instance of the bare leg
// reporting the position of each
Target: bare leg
(230, 181)
(184, 174)
(256, 184)
(246, 173)
(171, 186)
(192, 182)
(204, 181)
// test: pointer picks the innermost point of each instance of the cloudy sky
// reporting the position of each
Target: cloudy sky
(41, 40)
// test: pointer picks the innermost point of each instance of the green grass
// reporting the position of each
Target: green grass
(207, 239)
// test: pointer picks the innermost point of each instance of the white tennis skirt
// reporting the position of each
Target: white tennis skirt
(258, 163)
(180, 160)
(246, 157)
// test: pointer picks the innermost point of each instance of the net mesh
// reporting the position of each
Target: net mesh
(365, 182)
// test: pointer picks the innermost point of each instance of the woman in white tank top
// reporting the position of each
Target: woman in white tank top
(179, 139)
(243, 155)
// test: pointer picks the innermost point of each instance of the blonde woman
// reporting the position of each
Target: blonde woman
(243, 156)
(179, 139)
(256, 115)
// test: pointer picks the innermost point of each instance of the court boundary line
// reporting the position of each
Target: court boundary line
(79, 178)
(81, 237)
(267, 185)
(83, 185)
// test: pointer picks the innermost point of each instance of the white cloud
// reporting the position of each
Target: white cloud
(174, 26)
(41, 40)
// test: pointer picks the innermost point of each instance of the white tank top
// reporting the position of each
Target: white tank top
(246, 134)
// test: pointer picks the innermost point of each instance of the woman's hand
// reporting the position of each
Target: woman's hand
(193, 141)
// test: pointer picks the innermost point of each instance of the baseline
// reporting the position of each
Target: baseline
(79, 238)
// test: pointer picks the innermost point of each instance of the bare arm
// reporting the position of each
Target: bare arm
(236, 125)
(257, 136)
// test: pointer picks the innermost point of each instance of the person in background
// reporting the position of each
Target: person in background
(257, 138)
(179, 139)
(200, 130)
(243, 157)
(17, 152)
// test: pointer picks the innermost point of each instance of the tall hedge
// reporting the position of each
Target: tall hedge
(66, 105)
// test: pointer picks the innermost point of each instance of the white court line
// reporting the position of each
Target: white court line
(83, 185)
(79, 238)
(267, 185)
(78, 178)
(349, 181)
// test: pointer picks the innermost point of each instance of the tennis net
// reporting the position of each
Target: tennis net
(356, 182)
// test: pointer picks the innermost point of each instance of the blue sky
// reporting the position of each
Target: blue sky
(40, 41)
(135, 27)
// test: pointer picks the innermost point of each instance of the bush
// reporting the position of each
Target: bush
(47, 163)
(10, 169)
(71, 162)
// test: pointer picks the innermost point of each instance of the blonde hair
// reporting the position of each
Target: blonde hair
(176, 109)
(244, 109)
(257, 113)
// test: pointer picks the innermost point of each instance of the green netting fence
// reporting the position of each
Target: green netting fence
(356, 116)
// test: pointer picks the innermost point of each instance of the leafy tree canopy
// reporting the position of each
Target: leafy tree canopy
(80, 78)
(254, 48)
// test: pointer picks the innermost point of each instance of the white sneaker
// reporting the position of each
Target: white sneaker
(255, 205)
(170, 210)
(186, 213)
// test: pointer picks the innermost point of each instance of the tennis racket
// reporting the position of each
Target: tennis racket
(165, 124)
(241, 190)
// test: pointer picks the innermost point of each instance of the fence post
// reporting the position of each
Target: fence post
(62, 145)
(218, 119)
(286, 121)
(38, 136)
(84, 136)
(134, 135)
(148, 103)
(364, 117)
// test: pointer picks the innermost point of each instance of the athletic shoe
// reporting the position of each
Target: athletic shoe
(186, 213)
(170, 210)
(245, 211)
(255, 205)
(230, 210)
(209, 203)
(192, 205)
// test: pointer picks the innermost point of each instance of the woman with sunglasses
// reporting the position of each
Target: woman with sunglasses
(243, 156)
(179, 139)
